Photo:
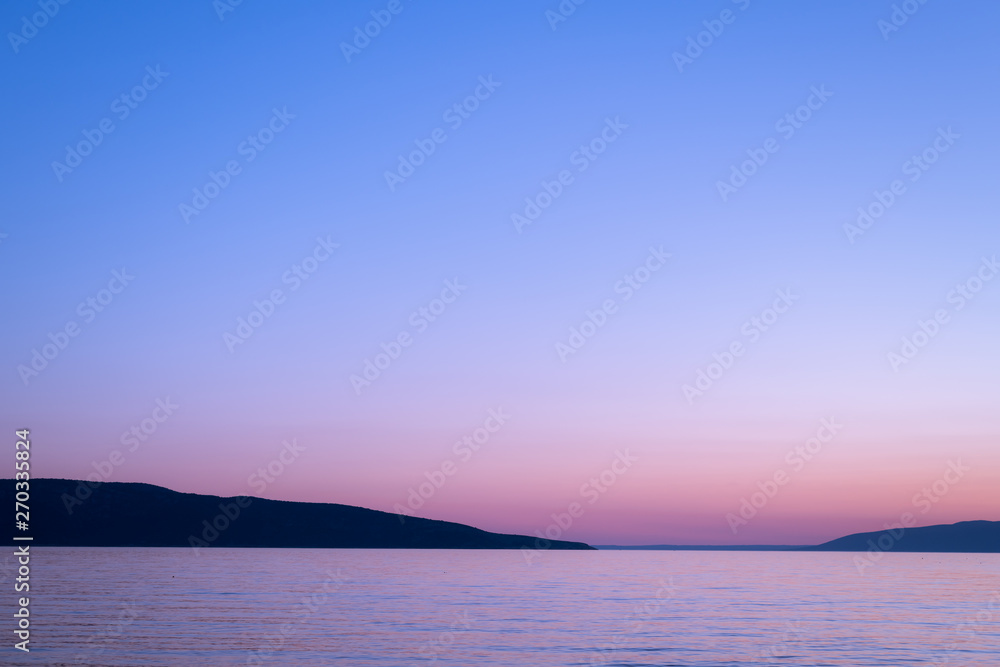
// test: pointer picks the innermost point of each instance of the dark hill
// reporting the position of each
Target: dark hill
(962, 537)
(144, 515)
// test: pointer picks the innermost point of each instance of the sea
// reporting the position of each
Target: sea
(381, 608)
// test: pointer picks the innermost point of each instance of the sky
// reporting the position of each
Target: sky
(625, 273)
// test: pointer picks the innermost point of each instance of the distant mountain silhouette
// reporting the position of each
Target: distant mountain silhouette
(119, 514)
(962, 537)
(700, 547)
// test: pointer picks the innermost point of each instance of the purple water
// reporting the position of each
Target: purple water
(399, 607)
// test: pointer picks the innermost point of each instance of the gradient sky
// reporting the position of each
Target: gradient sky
(495, 345)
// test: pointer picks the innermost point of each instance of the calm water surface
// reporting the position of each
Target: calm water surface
(409, 607)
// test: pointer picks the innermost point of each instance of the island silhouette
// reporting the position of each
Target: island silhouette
(961, 537)
(68, 512)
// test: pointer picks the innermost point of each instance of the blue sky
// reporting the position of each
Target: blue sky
(323, 176)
